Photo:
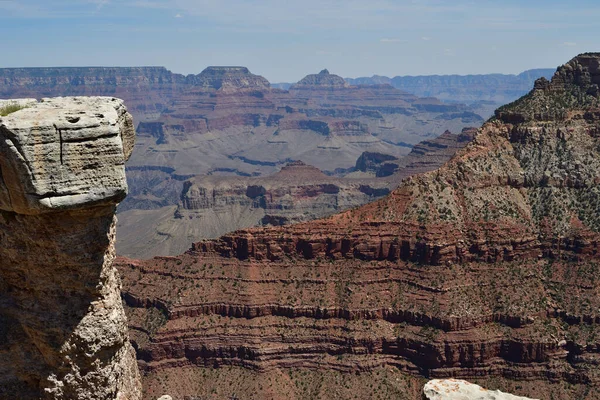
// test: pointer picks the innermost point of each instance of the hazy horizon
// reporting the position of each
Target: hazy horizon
(286, 41)
(258, 73)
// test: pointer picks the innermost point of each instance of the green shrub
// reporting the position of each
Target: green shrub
(10, 108)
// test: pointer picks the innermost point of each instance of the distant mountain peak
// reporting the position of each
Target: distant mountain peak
(322, 79)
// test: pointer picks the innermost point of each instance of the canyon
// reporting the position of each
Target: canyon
(63, 330)
(484, 269)
(227, 121)
(247, 130)
(211, 206)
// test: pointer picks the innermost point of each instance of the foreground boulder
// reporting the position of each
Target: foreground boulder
(63, 332)
(456, 389)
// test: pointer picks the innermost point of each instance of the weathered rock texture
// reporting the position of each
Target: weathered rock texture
(486, 267)
(63, 332)
(456, 389)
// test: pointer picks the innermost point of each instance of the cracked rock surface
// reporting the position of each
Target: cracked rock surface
(63, 332)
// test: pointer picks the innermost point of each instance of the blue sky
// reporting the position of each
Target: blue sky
(284, 40)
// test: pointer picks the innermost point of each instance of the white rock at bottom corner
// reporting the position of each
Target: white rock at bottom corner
(455, 389)
(165, 397)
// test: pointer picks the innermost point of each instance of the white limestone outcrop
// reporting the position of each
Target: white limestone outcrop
(456, 389)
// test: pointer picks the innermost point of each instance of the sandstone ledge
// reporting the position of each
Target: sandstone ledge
(64, 153)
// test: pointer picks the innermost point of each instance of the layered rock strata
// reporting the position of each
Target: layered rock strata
(63, 332)
(486, 267)
(298, 192)
(425, 156)
(494, 88)
(229, 123)
(211, 206)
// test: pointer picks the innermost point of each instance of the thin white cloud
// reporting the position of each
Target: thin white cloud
(568, 44)
(99, 3)
(392, 40)
(178, 16)
(449, 52)
(150, 4)
(426, 38)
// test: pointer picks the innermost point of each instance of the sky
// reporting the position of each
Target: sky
(284, 40)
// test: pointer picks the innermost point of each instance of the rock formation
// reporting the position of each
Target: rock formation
(228, 121)
(322, 79)
(211, 206)
(231, 78)
(63, 332)
(147, 91)
(456, 389)
(486, 267)
(249, 131)
(424, 156)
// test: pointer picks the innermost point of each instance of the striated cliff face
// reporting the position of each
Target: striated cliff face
(298, 192)
(146, 90)
(486, 268)
(63, 332)
(250, 132)
(228, 121)
(424, 157)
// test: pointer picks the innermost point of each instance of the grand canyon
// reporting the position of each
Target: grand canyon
(403, 238)
(485, 268)
(193, 130)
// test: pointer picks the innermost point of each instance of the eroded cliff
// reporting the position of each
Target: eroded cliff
(63, 331)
